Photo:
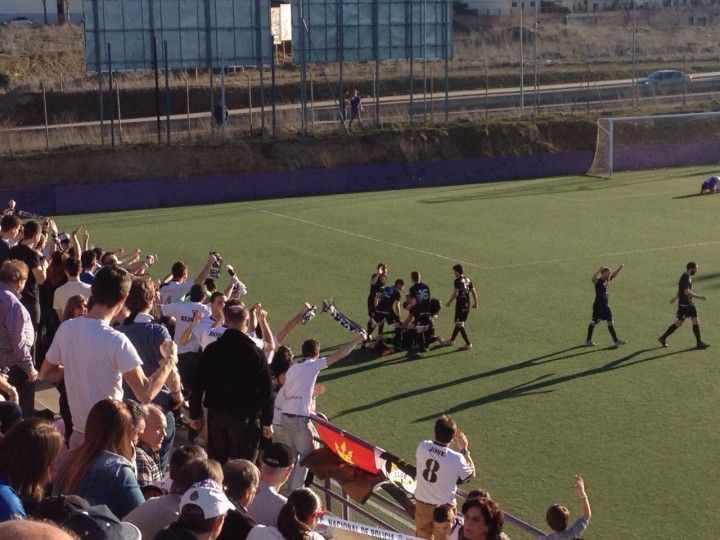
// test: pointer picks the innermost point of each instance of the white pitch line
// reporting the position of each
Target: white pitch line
(598, 255)
(370, 238)
(618, 198)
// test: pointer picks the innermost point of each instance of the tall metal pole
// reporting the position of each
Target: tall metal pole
(157, 87)
(98, 67)
(167, 92)
(535, 55)
(112, 102)
(424, 53)
(522, 61)
(635, 96)
(272, 82)
(303, 72)
(412, 59)
(223, 121)
(447, 20)
(260, 65)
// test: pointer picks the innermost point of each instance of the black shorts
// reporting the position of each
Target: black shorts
(388, 317)
(601, 312)
(423, 319)
(685, 312)
(461, 313)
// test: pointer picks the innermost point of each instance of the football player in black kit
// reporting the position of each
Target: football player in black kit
(464, 288)
(686, 308)
(377, 282)
(387, 310)
(419, 318)
(601, 308)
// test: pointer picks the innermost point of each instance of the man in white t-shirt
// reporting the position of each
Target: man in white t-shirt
(175, 285)
(94, 358)
(439, 470)
(73, 287)
(296, 397)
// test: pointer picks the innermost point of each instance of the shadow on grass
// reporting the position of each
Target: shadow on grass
(688, 196)
(544, 384)
(707, 277)
(531, 362)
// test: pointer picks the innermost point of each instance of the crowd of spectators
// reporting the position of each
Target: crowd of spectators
(134, 360)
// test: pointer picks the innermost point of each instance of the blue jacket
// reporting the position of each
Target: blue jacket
(10, 505)
(110, 480)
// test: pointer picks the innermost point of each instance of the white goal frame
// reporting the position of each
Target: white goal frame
(603, 164)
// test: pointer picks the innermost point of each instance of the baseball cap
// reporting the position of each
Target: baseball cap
(209, 496)
(58, 507)
(277, 455)
(99, 523)
(63, 237)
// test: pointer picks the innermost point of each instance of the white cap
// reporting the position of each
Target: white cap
(209, 496)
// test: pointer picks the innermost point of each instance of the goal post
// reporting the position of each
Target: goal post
(658, 141)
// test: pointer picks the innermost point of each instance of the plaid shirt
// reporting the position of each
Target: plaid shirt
(16, 331)
(148, 472)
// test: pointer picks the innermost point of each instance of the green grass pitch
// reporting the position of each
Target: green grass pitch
(641, 423)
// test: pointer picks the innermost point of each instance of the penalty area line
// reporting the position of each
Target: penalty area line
(369, 238)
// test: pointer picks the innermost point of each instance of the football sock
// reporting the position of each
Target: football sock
(611, 329)
(696, 331)
(591, 327)
(464, 335)
(455, 333)
(669, 331)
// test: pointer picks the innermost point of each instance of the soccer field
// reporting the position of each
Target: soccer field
(639, 422)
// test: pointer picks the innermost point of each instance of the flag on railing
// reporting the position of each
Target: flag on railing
(349, 448)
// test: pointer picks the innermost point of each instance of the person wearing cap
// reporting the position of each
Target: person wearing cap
(72, 287)
(203, 508)
(275, 469)
(159, 512)
(99, 523)
(240, 479)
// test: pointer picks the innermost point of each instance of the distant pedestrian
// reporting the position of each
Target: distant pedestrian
(355, 108)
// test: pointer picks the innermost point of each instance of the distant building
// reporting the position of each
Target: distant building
(499, 7)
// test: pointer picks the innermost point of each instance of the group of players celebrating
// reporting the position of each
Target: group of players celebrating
(417, 330)
(684, 297)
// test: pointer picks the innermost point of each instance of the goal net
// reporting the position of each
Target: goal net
(652, 142)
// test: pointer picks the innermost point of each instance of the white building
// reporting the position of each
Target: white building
(500, 7)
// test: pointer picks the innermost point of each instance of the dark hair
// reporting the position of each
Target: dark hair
(140, 297)
(281, 362)
(478, 494)
(98, 252)
(72, 304)
(72, 266)
(197, 293)
(55, 273)
(27, 452)
(294, 516)
(182, 455)
(239, 476)
(13, 270)
(399, 282)
(30, 229)
(214, 296)
(107, 259)
(445, 428)
(138, 412)
(9, 222)
(458, 268)
(311, 348)
(178, 270)
(108, 427)
(557, 517)
(491, 514)
(192, 519)
(691, 265)
(443, 513)
(110, 285)
(415, 275)
(88, 258)
(210, 284)
(197, 470)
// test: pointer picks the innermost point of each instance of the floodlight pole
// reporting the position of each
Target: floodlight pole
(424, 53)
(635, 88)
(447, 18)
(303, 72)
(412, 58)
(157, 87)
(260, 63)
(522, 61)
(98, 67)
(167, 92)
(110, 88)
(535, 55)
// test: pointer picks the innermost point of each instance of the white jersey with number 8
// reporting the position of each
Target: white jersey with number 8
(439, 469)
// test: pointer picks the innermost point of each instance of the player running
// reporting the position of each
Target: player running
(601, 308)
(464, 289)
(686, 308)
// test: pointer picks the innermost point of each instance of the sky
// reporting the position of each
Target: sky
(35, 6)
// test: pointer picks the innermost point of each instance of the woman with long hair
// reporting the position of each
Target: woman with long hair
(27, 453)
(76, 307)
(101, 469)
(295, 521)
(483, 520)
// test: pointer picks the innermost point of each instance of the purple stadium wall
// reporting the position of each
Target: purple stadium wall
(166, 192)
